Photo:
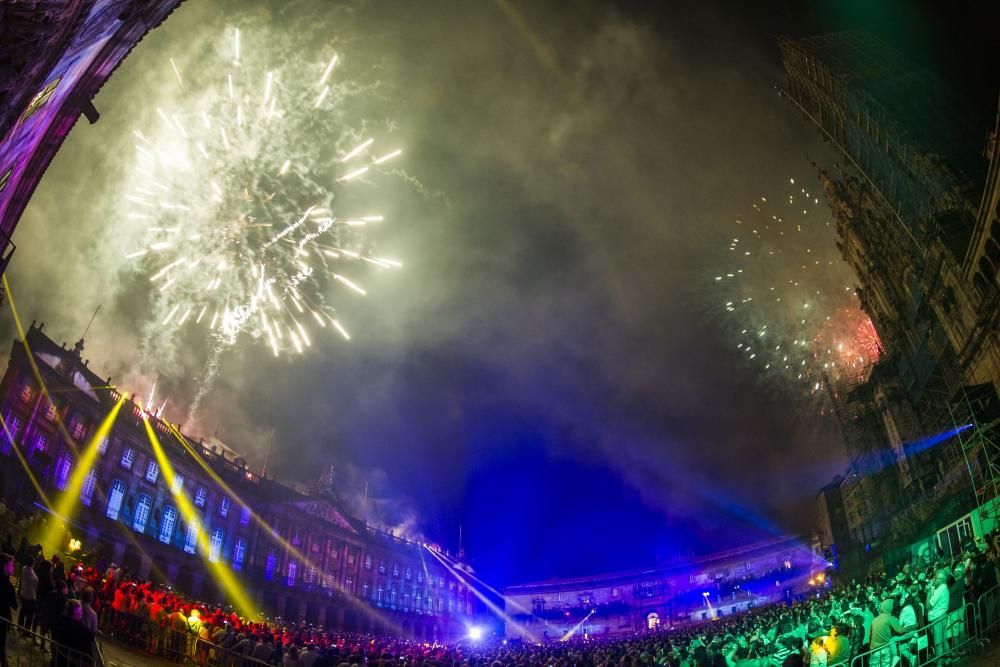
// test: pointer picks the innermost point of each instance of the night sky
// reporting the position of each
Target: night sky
(552, 368)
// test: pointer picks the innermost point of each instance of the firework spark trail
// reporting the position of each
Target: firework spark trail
(237, 188)
(785, 295)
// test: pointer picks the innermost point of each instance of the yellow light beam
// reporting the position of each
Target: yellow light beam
(222, 573)
(84, 463)
(24, 462)
(295, 552)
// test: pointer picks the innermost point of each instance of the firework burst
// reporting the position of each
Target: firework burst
(254, 196)
(787, 296)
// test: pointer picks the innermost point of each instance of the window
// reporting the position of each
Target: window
(292, 568)
(141, 515)
(191, 537)
(52, 412)
(87, 491)
(368, 561)
(239, 552)
(41, 442)
(128, 458)
(379, 594)
(200, 496)
(364, 590)
(14, 425)
(215, 545)
(392, 595)
(440, 582)
(348, 584)
(62, 470)
(167, 523)
(27, 393)
(177, 484)
(451, 585)
(103, 447)
(395, 570)
(115, 499)
(409, 573)
(77, 428)
(746, 566)
(615, 592)
(420, 576)
(381, 567)
(224, 503)
(152, 471)
(269, 565)
(244, 516)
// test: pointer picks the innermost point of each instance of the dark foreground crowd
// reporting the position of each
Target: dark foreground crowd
(881, 617)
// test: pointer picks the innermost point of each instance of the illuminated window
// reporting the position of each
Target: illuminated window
(420, 576)
(51, 412)
(379, 594)
(142, 507)
(77, 428)
(416, 600)
(27, 393)
(409, 573)
(115, 499)
(215, 545)
(87, 492)
(200, 496)
(41, 442)
(746, 566)
(292, 568)
(152, 471)
(311, 576)
(615, 592)
(14, 425)
(788, 565)
(224, 503)
(167, 524)
(440, 582)
(368, 561)
(395, 570)
(392, 595)
(440, 604)
(62, 470)
(349, 584)
(381, 567)
(451, 585)
(191, 537)
(269, 565)
(103, 447)
(239, 552)
(128, 458)
(177, 485)
(244, 516)
(364, 590)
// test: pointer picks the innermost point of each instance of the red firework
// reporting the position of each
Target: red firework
(866, 340)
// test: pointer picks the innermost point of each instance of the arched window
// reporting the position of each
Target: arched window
(167, 523)
(141, 515)
(115, 499)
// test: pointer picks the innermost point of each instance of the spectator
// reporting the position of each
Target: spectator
(8, 602)
(88, 615)
(73, 640)
(29, 597)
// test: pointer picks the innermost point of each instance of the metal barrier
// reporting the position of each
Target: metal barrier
(180, 646)
(946, 637)
(988, 613)
(30, 649)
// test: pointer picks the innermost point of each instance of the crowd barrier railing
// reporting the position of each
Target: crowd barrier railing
(947, 637)
(988, 613)
(30, 649)
(180, 646)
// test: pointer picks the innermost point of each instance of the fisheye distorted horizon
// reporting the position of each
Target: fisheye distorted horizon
(563, 359)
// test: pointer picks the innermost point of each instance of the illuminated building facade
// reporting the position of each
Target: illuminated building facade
(916, 215)
(56, 55)
(329, 568)
(696, 590)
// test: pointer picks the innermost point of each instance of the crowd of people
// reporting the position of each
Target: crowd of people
(880, 617)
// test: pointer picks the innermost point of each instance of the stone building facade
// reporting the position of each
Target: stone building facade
(691, 591)
(328, 568)
(916, 214)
